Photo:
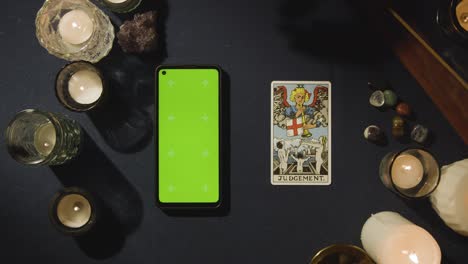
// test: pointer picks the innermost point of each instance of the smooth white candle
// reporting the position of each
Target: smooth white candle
(407, 171)
(74, 210)
(450, 199)
(85, 87)
(76, 27)
(45, 138)
(390, 239)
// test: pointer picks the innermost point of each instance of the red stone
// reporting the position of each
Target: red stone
(403, 109)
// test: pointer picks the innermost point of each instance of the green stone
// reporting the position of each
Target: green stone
(390, 98)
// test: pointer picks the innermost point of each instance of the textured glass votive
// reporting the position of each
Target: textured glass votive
(80, 86)
(411, 173)
(41, 138)
(341, 254)
(121, 6)
(74, 30)
(73, 211)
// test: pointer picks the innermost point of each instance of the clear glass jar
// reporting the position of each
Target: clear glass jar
(411, 173)
(74, 30)
(452, 18)
(35, 137)
(121, 6)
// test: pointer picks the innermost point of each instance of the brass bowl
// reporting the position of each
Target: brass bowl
(342, 254)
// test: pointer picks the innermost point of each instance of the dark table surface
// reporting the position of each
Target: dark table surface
(255, 42)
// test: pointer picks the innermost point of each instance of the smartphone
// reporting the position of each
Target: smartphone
(188, 137)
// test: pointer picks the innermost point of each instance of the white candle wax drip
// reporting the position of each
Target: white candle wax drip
(407, 171)
(85, 87)
(389, 239)
(45, 138)
(76, 27)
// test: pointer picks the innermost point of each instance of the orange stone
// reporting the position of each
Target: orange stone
(403, 109)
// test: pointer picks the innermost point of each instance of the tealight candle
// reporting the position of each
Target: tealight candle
(85, 87)
(411, 173)
(389, 238)
(45, 138)
(80, 86)
(76, 27)
(407, 171)
(74, 30)
(450, 199)
(461, 12)
(73, 211)
(122, 6)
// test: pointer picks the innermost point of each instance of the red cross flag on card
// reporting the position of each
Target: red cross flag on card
(294, 127)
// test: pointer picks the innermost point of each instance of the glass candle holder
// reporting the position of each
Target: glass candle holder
(41, 138)
(411, 173)
(341, 254)
(452, 18)
(121, 6)
(73, 211)
(80, 86)
(74, 30)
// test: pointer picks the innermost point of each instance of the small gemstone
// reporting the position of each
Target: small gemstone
(390, 98)
(373, 133)
(419, 133)
(398, 122)
(377, 99)
(403, 109)
(398, 131)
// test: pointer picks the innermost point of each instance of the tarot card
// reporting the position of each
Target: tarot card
(300, 133)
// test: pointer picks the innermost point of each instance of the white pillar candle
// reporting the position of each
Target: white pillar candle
(74, 210)
(407, 171)
(390, 239)
(76, 27)
(85, 87)
(450, 199)
(45, 138)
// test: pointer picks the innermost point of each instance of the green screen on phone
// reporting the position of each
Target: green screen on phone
(188, 135)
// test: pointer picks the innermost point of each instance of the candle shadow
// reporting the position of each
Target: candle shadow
(301, 33)
(225, 207)
(124, 129)
(120, 206)
(122, 119)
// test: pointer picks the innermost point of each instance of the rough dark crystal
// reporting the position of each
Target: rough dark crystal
(139, 35)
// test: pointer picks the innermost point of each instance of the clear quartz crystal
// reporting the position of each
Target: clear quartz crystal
(92, 50)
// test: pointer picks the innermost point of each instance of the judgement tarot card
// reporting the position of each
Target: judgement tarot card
(300, 133)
